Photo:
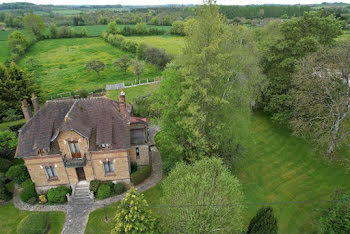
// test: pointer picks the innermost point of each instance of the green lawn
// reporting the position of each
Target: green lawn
(61, 65)
(279, 168)
(10, 216)
(172, 44)
(132, 93)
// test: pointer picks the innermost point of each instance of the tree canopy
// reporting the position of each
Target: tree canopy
(263, 222)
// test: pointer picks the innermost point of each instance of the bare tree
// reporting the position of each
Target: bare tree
(321, 97)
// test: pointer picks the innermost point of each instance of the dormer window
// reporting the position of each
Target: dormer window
(74, 149)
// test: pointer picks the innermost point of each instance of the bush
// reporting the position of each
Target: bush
(119, 188)
(32, 200)
(104, 191)
(83, 93)
(4, 193)
(18, 173)
(109, 183)
(34, 223)
(28, 191)
(11, 115)
(142, 174)
(133, 167)
(42, 198)
(263, 222)
(58, 194)
(16, 127)
(94, 184)
(5, 165)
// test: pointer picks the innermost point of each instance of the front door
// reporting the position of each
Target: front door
(80, 173)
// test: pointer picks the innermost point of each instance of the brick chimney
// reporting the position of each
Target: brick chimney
(27, 112)
(122, 96)
(35, 103)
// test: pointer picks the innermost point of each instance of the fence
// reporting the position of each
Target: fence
(133, 84)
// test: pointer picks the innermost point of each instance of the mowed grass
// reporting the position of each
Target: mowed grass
(10, 217)
(97, 224)
(282, 168)
(133, 92)
(61, 65)
(172, 44)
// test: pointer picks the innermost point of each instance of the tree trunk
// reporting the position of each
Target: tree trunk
(334, 140)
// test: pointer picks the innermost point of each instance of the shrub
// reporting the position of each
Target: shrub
(32, 200)
(4, 193)
(104, 191)
(83, 93)
(11, 115)
(133, 167)
(42, 198)
(16, 127)
(119, 188)
(142, 174)
(34, 223)
(18, 173)
(109, 183)
(58, 194)
(4, 165)
(28, 191)
(263, 222)
(94, 184)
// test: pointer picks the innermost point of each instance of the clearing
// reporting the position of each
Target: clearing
(60, 65)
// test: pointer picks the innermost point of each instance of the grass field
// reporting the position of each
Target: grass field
(277, 168)
(4, 51)
(172, 44)
(132, 93)
(61, 65)
(10, 216)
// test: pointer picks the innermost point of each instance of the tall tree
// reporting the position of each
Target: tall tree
(134, 216)
(263, 222)
(34, 24)
(17, 44)
(300, 36)
(15, 86)
(202, 198)
(112, 28)
(96, 65)
(321, 97)
(215, 71)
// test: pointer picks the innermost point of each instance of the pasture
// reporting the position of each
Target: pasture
(172, 44)
(60, 65)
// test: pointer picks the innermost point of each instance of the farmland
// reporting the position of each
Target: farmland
(172, 44)
(60, 65)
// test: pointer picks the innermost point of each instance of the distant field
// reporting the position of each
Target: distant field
(172, 44)
(132, 93)
(4, 51)
(61, 65)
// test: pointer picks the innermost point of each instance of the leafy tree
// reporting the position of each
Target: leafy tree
(96, 65)
(335, 218)
(200, 199)
(215, 83)
(17, 43)
(263, 222)
(141, 28)
(157, 57)
(34, 24)
(178, 28)
(321, 97)
(134, 216)
(15, 86)
(141, 51)
(138, 68)
(300, 36)
(123, 63)
(112, 28)
(18, 173)
(8, 144)
(11, 115)
(53, 31)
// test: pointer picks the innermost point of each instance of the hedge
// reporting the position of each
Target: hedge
(142, 174)
(4, 193)
(119, 188)
(18, 173)
(58, 194)
(104, 191)
(5, 165)
(94, 184)
(34, 223)
(28, 191)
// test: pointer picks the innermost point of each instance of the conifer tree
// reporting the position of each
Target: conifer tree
(263, 222)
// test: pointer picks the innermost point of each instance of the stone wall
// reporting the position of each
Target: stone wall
(120, 161)
(143, 159)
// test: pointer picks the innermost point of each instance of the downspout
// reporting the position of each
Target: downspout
(92, 165)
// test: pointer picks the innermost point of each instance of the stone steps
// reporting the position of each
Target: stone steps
(81, 194)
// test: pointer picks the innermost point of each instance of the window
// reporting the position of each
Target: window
(109, 167)
(74, 149)
(137, 152)
(105, 146)
(51, 172)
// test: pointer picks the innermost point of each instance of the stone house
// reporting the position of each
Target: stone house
(67, 141)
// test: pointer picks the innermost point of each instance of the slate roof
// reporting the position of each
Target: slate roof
(96, 119)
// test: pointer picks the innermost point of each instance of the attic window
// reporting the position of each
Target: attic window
(105, 146)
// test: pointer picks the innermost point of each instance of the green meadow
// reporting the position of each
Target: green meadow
(60, 65)
(172, 44)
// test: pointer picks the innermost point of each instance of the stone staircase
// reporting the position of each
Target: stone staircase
(81, 194)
